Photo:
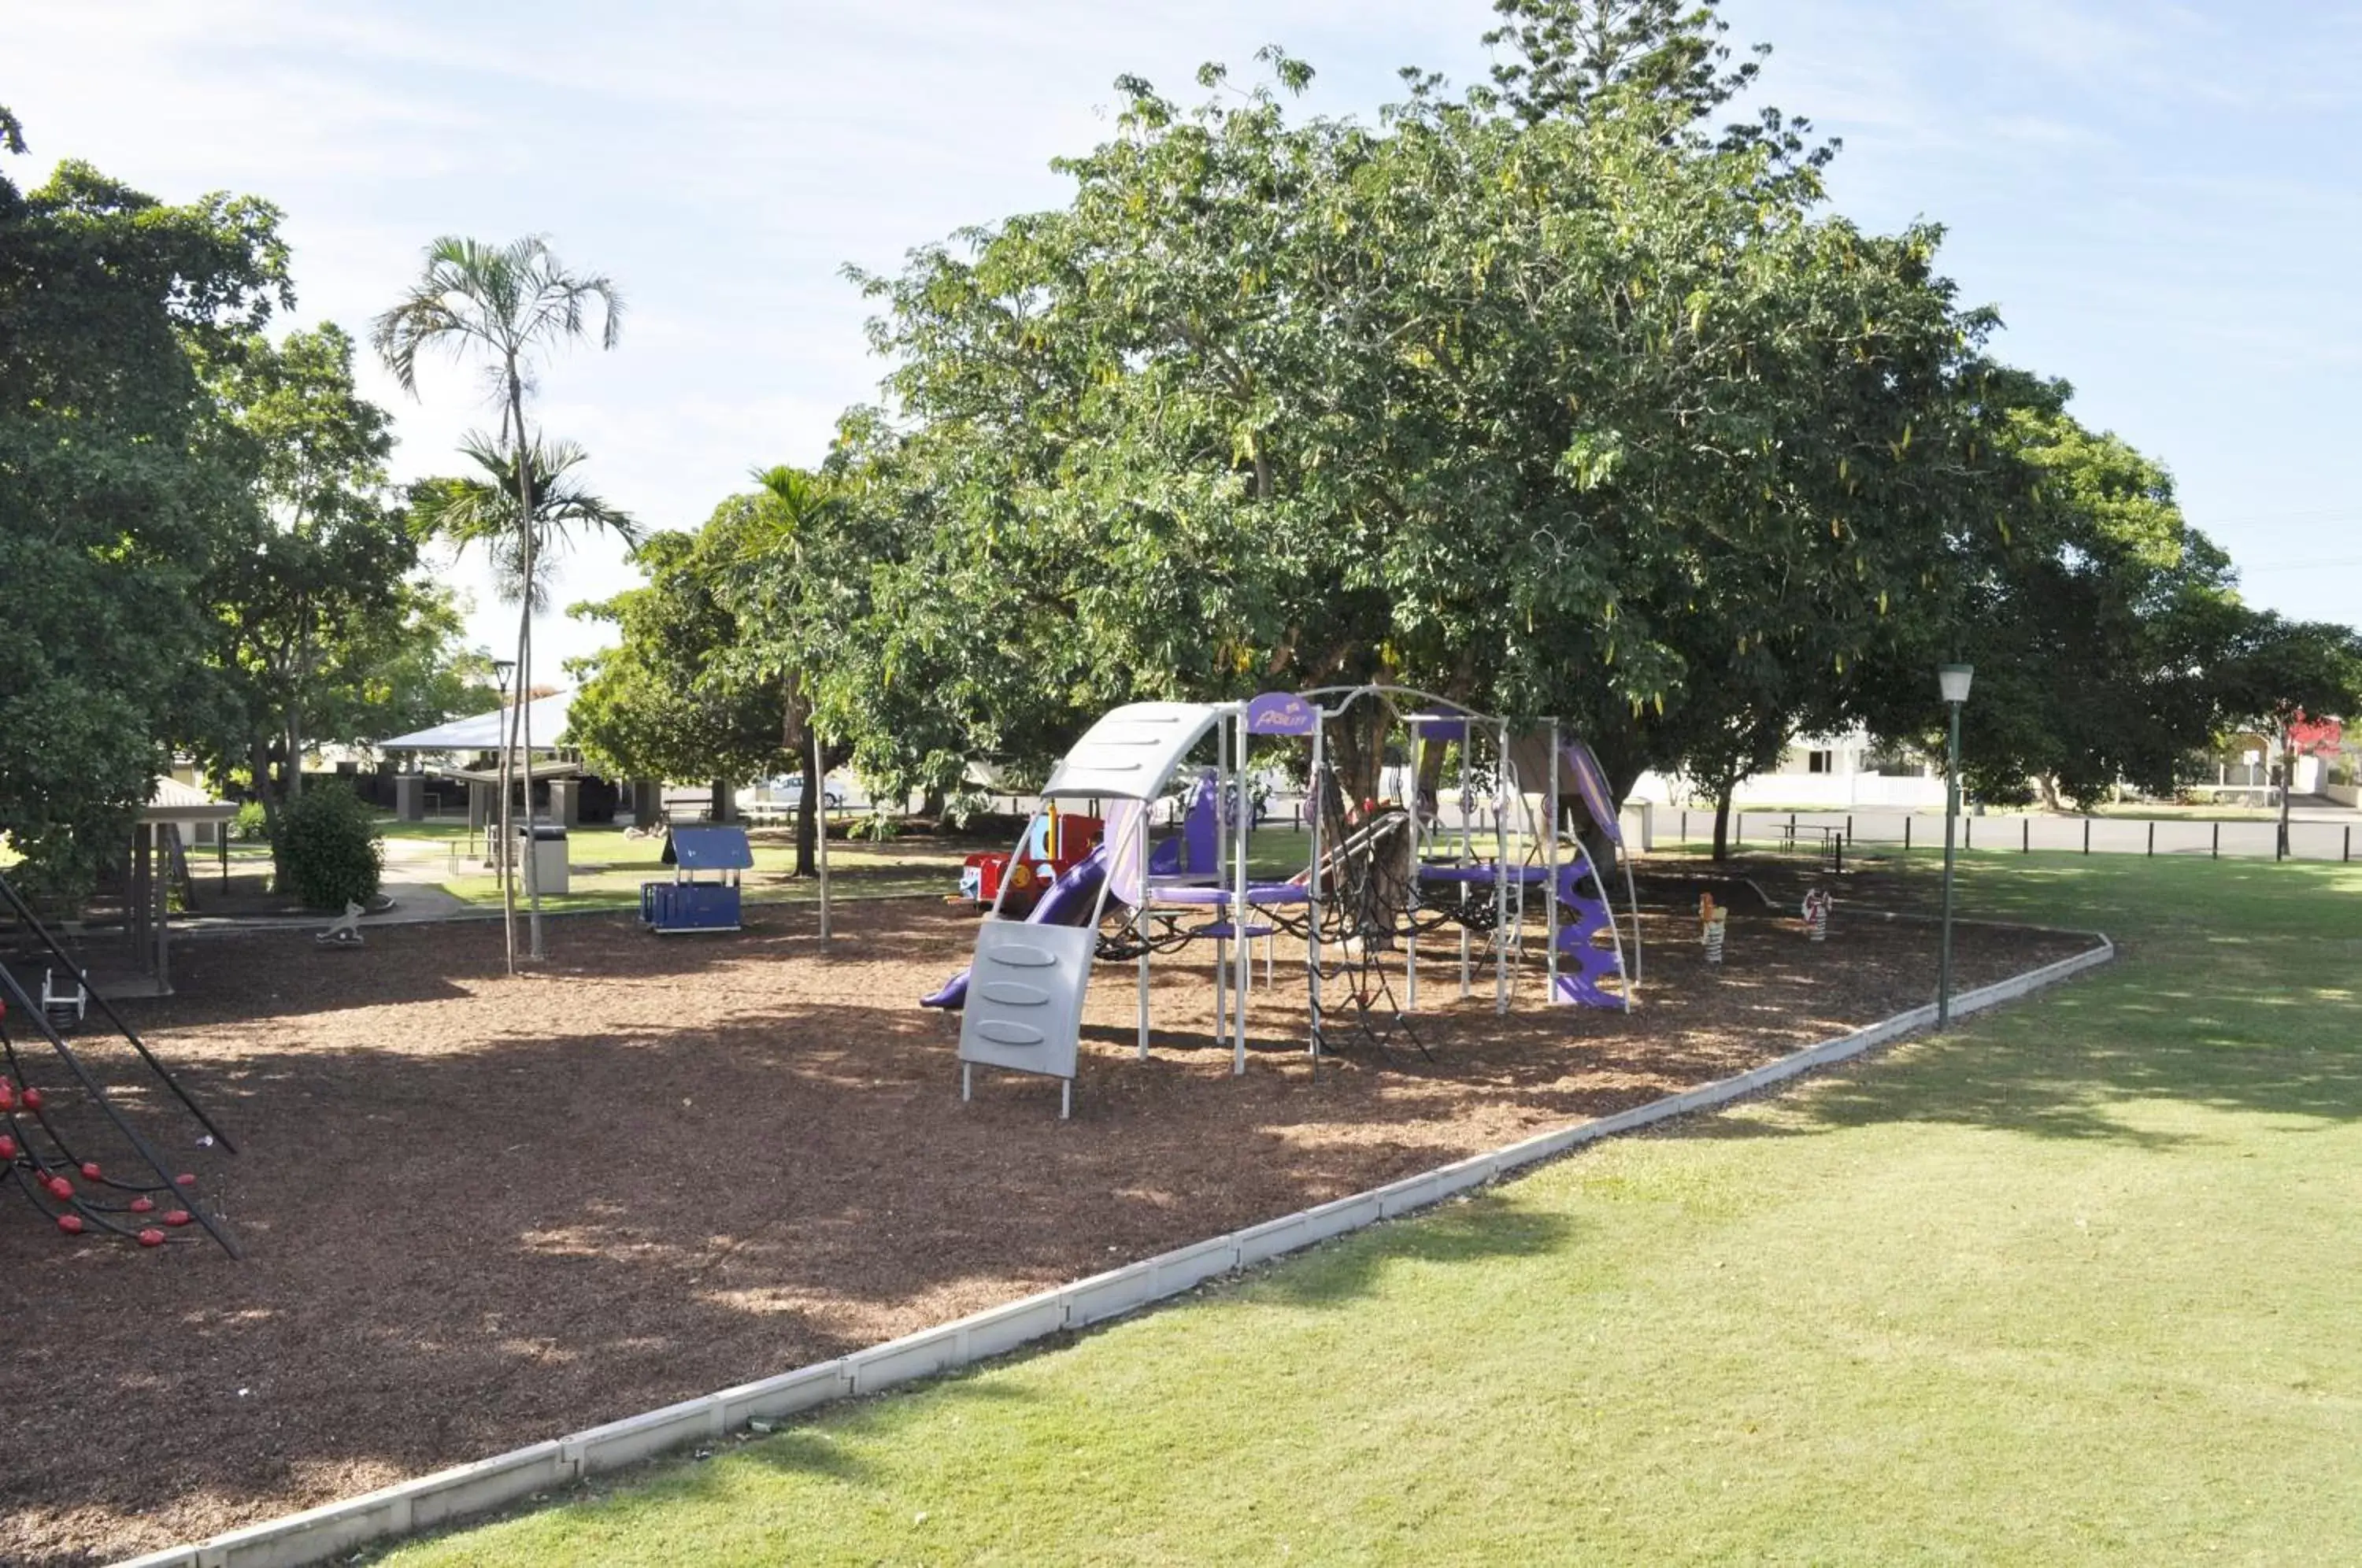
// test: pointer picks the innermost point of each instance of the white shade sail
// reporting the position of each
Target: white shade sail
(546, 717)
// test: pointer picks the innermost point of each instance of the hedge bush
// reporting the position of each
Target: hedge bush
(328, 848)
(252, 823)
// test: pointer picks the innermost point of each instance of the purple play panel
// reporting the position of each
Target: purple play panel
(1582, 966)
(1591, 783)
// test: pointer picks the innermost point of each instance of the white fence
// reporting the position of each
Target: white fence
(1809, 831)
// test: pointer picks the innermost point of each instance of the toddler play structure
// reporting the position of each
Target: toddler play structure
(1377, 877)
(66, 1147)
(689, 903)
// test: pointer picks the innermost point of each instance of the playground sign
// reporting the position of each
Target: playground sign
(1280, 713)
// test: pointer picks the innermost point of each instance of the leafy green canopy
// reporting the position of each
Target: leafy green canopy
(1545, 412)
(110, 515)
(322, 630)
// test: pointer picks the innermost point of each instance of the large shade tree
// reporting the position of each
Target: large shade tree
(1548, 411)
(322, 629)
(111, 514)
(510, 306)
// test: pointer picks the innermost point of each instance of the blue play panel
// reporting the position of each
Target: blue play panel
(686, 903)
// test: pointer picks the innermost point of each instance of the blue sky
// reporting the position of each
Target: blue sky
(2164, 201)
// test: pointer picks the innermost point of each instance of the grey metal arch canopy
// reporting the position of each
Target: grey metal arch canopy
(1130, 751)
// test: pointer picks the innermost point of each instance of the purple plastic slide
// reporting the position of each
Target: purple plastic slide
(1070, 901)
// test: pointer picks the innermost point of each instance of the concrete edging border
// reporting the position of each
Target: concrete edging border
(447, 1496)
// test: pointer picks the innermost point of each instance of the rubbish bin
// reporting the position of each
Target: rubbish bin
(543, 860)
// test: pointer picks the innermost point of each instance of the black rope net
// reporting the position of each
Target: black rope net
(1369, 908)
(67, 1145)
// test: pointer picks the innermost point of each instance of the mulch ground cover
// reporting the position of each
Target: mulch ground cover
(480, 1210)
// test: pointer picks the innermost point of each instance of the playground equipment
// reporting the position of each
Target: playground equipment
(1816, 914)
(64, 1006)
(345, 931)
(1376, 878)
(1055, 842)
(685, 903)
(67, 1149)
(1714, 926)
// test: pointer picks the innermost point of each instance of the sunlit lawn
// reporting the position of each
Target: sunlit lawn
(2074, 1284)
(607, 868)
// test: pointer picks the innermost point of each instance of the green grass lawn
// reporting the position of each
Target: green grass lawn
(2075, 1283)
(608, 868)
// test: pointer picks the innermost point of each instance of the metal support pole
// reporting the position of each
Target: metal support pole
(1313, 813)
(1501, 868)
(1243, 947)
(1951, 811)
(820, 824)
(1549, 874)
(1417, 855)
(1467, 847)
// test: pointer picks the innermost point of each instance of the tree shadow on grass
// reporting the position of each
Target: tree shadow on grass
(1480, 1230)
(2068, 1065)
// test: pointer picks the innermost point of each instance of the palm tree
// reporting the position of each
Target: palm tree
(482, 510)
(511, 303)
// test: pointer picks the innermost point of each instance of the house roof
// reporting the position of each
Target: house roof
(545, 717)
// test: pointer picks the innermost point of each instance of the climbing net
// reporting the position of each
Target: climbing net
(1369, 909)
(66, 1147)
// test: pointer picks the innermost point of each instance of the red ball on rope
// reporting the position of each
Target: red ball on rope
(69, 1223)
(7, 1147)
(90, 1170)
(59, 1189)
(32, 1100)
(142, 1205)
(177, 1217)
(151, 1237)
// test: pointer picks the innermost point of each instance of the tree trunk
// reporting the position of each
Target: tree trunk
(1722, 824)
(524, 652)
(808, 815)
(1356, 748)
(2288, 789)
(932, 805)
(723, 803)
(266, 788)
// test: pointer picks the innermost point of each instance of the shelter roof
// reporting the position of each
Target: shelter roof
(173, 801)
(544, 716)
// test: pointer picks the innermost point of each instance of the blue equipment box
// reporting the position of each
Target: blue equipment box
(686, 904)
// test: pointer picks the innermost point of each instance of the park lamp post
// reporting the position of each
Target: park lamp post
(502, 669)
(1952, 681)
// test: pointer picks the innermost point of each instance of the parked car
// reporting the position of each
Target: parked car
(787, 789)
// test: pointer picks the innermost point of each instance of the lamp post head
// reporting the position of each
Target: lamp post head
(501, 669)
(1953, 679)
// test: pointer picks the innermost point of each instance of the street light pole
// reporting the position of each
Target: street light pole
(1952, 681)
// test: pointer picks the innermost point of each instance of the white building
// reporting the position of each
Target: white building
(1817, 773)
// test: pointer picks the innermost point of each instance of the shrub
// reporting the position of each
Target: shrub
(328, 848)
(878, 827)
(252, 823)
